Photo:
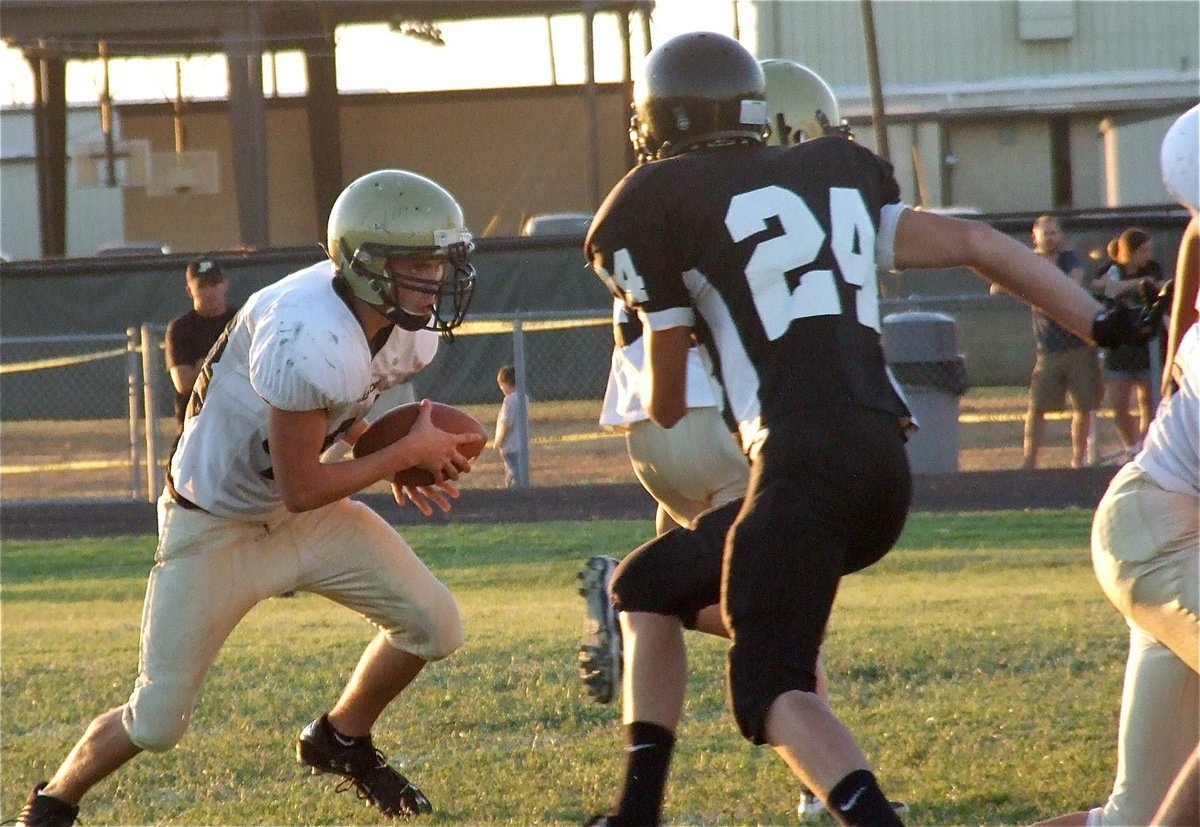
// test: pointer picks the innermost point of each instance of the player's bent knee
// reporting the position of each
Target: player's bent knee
(436, 631)
(447, 639)
(670, 575)
(154, 726)
(758, 675)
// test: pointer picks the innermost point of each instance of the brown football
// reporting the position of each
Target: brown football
(397, 422)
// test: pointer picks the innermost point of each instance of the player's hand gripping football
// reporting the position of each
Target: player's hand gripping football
(442, 438)
(441, 455)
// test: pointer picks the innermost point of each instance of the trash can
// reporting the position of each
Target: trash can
(921, 350)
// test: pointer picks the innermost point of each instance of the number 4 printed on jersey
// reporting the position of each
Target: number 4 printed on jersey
(853, 247)
(624, 280)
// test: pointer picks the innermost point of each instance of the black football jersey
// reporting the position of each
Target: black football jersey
(770, 255)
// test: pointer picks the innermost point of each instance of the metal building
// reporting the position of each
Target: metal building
(1005, 105)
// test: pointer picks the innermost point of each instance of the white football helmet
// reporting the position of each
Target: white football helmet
(392, 214)
(1180, 160)
(800, 105)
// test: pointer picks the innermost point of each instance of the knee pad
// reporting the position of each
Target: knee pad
(676, 574)
(757, 673)
(156, 716)
(432, 630)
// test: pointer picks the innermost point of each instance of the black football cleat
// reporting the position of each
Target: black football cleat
(46, 810)
(362, 767)
(600, 650)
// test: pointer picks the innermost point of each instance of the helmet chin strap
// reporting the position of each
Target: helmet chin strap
(396, 314)
(406, 320)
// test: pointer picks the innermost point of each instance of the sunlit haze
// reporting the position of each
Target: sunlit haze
(494, 53)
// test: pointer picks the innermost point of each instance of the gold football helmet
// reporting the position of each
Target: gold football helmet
(800, 105)
(394, 214)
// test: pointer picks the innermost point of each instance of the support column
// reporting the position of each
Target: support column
(50, 137)
(878, 117)
(627, 78)
(589, 86)
(247, 115)
(324, 126)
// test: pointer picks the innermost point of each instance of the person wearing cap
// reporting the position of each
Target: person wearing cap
(191, 335)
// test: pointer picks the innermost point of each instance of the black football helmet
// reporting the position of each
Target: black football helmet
(697, 89)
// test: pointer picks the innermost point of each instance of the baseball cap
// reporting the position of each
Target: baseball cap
(204, 269)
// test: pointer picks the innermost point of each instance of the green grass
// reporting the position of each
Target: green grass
(978, 664)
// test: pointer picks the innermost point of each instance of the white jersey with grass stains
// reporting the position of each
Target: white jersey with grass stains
(295, 345)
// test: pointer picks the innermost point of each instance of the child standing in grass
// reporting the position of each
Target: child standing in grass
(513, 409)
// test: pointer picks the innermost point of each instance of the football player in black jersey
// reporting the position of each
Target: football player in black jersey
(767, 256)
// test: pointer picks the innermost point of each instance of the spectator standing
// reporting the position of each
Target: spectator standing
(192, 334)
(1066, 366)
(768, 256)
(1132, 275)
(513, 410)
(1146, 554)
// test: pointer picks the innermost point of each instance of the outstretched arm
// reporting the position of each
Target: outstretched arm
(926, 239)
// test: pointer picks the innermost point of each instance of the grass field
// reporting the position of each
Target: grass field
(978, 664)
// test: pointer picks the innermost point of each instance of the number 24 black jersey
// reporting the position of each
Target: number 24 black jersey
(770, 254)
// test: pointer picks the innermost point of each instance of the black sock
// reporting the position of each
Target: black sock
(647, 759)
(342, 738)
(857, 801)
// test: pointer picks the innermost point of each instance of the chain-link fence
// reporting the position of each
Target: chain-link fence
(91, 416)
(71, 408)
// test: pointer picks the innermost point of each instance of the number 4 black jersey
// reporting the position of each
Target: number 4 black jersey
(770, 254)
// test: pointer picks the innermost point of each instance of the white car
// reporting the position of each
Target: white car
(557, 223)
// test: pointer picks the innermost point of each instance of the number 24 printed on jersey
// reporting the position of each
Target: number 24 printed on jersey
(853, 245)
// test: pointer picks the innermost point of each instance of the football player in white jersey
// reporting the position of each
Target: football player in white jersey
(687, 468)
(767, 256)
(251, 511)
(1146, 553)
(695, 465)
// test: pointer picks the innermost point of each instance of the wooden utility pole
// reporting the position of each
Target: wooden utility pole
(878, 119)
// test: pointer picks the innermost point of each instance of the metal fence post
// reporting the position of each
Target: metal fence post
(133, 385)
(522, 409)
(1093, 444)
(154, 480)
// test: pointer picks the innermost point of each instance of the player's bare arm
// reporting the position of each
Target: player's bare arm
(296, 439)
(1183, 301)
(666, 373)
(183, 377)
(926, 239)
